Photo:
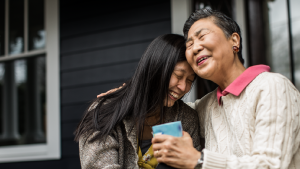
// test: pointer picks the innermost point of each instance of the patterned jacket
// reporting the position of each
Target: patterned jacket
(118, 151)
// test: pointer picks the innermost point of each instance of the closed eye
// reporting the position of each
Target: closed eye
(201, 36)
(179, 77)
(189, 45)
(190, 81)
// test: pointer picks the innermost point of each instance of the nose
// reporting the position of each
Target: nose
(182, 85)
(197, 48)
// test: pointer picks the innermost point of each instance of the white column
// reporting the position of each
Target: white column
(240, 18)
(180, 11)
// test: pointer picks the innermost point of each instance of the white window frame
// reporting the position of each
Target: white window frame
(52, 148)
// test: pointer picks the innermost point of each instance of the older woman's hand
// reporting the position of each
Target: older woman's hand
(177, 152)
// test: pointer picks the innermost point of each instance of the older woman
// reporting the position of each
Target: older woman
(250, 121)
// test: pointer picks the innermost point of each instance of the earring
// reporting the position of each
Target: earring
(235, 49)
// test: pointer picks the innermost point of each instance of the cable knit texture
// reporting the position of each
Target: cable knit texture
(257, 129)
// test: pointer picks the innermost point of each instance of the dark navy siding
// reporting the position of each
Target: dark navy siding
(100, 46)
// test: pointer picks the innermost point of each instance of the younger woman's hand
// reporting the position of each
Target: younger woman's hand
(110, 91)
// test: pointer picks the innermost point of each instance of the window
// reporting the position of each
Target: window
(283, 38)
(29, 80)
(295, 33)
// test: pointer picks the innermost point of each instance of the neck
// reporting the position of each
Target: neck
(153, 117)
(229, 74)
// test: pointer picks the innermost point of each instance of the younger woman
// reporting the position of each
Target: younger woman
(116, 130)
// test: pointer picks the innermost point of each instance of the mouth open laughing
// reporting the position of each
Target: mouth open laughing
(173, 95)
(202, 59)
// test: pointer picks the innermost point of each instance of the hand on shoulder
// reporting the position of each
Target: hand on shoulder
(110, 91)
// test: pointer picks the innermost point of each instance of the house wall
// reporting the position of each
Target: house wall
(100, 46)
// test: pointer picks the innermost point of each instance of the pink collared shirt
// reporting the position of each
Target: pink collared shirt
(240, 83)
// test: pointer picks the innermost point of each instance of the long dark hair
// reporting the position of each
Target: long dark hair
(143, 94)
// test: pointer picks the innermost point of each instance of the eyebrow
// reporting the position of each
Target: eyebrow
(196, 34)
(178, 69)
(182, 70)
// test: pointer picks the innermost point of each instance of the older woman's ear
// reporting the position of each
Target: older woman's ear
(235, 38)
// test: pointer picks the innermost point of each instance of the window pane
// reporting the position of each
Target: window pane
(277, 37)
(295, 17)
(20, 69)
(23, 101)
(16, 26)
(2, 26)
(36, 24)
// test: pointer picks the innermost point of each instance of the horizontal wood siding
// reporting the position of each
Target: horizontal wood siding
(100, 46)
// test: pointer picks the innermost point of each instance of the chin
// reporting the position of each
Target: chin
(201, 73)
(170, 104)
(204, 73)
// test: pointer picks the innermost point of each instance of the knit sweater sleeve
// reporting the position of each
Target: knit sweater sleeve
(99, 154)
(276, 107)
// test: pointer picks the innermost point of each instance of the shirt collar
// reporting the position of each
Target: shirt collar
(241, 82)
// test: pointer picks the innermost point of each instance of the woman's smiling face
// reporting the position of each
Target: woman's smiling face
(180, 82)
(208, 49)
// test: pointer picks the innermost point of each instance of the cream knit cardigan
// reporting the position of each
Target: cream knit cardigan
(257, 129)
